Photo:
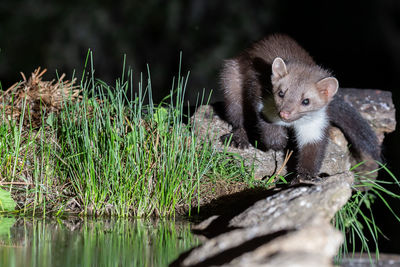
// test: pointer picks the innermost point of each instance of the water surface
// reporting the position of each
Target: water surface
(90, 242)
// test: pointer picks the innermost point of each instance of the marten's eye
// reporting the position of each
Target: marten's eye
(281, 94)
(305, 102)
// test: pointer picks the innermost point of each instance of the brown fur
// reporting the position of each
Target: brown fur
(264, 90)
(310, 158)
(246, 82)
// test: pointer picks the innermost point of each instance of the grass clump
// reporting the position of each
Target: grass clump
(130, 157)
(356, 219)
(104, 153)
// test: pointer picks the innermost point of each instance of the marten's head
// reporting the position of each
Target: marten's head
(299, 88)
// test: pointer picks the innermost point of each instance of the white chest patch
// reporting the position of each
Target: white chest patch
(311, 128)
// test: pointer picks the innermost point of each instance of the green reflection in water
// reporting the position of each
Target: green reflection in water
(78, 242)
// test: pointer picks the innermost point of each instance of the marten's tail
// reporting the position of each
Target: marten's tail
(355, 128)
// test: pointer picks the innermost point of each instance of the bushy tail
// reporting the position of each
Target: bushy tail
(355, 128)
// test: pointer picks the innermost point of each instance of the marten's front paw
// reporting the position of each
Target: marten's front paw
(300, 179)
(306, 179)
(238, 139)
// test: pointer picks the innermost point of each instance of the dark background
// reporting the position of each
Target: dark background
(358, 40)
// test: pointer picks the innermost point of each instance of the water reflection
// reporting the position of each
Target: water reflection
(86, 242)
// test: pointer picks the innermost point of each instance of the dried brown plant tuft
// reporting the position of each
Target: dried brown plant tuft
(42, 97)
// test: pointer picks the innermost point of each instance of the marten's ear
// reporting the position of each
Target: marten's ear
(328, 87)
(279, 68)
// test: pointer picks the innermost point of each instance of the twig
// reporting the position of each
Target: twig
(16, 183)
(285, 161)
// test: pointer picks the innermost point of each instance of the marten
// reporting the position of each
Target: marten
(275, 86)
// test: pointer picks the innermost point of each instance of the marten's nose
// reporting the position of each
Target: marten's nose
(285, 114)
